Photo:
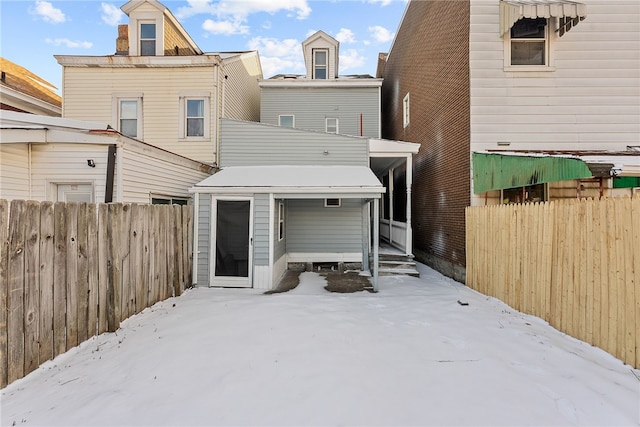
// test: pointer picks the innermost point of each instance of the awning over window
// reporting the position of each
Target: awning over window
(499, 171)
(569, 13)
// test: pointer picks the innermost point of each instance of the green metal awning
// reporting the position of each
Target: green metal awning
(499, 171)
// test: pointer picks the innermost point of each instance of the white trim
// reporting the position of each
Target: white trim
(549, 42)
(196, 227)
(324, 257)
(337, 125)
(339, 82)
(182, 126)
(406, 110)
(116, 100)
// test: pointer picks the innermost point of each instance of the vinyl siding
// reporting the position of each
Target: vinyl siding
(66, 164)
(144, 175)
(250, 144)
(89, 95)
(311, 106)
(242, 94)
(590, 101)
(313, 228)
(261, 230)
(203, 234)
(14, 171)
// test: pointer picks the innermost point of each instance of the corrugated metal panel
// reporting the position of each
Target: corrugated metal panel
(261, 230)
(204, 239)
(252, 144)
(313, 228)
(499, 171)
(311, 106)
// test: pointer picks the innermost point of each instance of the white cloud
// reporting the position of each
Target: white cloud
(381, 34)
(48, 13)
(111, 15)
(239, 10)
(383, 3)
(224, 27)
(350, 58)
(345, 36)
(69, 43)
(278, 56)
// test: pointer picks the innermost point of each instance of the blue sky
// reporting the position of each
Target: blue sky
(32, 31)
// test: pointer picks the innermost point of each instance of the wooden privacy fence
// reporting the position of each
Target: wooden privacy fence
(575, 264)
(69, 271)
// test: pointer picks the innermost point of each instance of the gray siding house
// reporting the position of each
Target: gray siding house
(304, 185)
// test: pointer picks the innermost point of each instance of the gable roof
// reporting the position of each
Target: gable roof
(17, 81)
(132, 5)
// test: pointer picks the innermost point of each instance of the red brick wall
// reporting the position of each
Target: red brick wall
(430, 60)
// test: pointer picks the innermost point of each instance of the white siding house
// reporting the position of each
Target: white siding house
(578, 95)
(45, 158)
(160, 87)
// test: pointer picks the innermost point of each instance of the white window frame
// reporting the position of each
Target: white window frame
(170, 199)
(183, 116)
(293, 120)
(406, 110)
(315, 65)
(116, 102)
(155, 38)
(281, 214)
(327, 204)
(326, 125)
(549, 49)
(136, 19)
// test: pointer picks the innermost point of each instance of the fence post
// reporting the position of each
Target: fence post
(4, 289)
(15, 303)
(31, 286)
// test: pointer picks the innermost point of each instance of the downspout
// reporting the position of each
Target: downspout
(216, 155)
(119, 160)
(29, 166)
(196, 226)
(111, 166)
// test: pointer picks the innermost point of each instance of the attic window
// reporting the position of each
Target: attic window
(332, 203)
(320, 65)
(147, 39)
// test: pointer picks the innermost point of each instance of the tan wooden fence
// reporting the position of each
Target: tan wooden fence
(69, 271)
(575, 264)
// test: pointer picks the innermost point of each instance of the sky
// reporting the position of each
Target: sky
(31, 32)
(407, 355)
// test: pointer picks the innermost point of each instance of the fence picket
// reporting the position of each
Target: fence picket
(31, 286)
(4, 289)
(72, 275)
(15, 302)
(93, 270)
(103, 269)
(82, 288)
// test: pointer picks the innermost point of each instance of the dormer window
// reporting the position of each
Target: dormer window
(320, 63)
(147, 39)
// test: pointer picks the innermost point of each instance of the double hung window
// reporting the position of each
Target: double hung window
(129, 117)
(331, 125)
(320, 63)
(147, 39)
(529, 42)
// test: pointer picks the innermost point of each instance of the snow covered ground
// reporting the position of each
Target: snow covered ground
(408, 355)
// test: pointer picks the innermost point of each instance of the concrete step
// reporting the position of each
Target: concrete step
(398, 271)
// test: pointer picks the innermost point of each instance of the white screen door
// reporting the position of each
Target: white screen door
(232, 242)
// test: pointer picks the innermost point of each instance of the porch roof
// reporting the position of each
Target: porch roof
(357, 181)
(496, 171)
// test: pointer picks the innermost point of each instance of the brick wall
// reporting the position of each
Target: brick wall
(430, 61)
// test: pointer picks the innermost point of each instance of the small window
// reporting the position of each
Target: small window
(286, 121)
(128, 117)
(195, 117)
(320, 68)
(147, 39)
(331, 125)
(405, 111)
(529, 42)
(332, 203)
(280, 220)
(166, 200)
(529, 194)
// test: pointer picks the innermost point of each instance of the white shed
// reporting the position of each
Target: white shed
(50, 158)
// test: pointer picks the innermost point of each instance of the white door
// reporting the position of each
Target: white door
(75, 193)
(232, 242)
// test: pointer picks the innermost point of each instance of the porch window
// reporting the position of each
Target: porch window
(280, 221)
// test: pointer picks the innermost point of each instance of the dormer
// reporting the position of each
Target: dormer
(153, 31)
(321, 56)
